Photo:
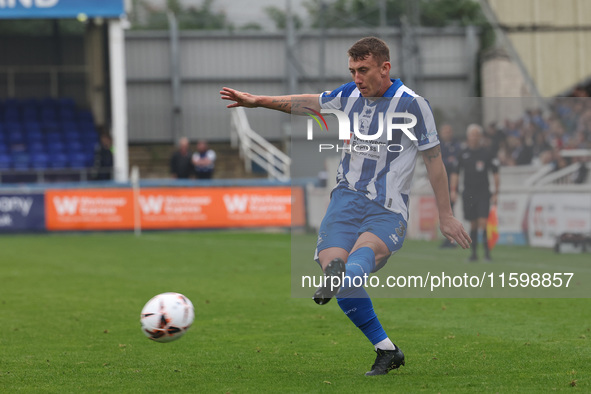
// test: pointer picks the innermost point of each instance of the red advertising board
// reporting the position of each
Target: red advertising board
(173, 208)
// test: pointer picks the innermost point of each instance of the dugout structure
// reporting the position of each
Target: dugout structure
(88, 69)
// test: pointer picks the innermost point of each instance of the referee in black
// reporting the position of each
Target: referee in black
(476, 162)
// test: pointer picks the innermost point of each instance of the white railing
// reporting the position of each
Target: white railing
(542, 172)
(564, 176)
(255, 149)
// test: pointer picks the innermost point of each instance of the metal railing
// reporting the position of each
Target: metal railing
(255, 149)
(547, 175)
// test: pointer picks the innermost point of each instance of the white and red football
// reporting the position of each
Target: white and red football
(167, 317)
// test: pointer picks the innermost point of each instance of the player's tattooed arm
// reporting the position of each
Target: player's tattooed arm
(450, 227)
(432, 154)
(294, 104)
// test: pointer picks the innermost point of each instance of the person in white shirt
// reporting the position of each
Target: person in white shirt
(203, 161)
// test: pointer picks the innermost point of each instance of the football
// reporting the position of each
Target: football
(167, 317)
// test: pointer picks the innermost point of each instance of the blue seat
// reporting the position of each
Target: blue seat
(5, 161)
(69, 126)
(30, 125)
(90, 138)
(85, 116)
(54, 136)
(48, 115)
(39, 161)
(37, 147)
(78, 160)
(11, 115)
(58, 160)
(4, 149)
(30, 102)
(30, 114)
(16, 137)
(35, 136)
(49, 127)
(55, 146)
(72, 136)
(67, 114)
(74, 146)
(48, 103)
(12, 126)
(20, 161)
(66, 102)
(86, 127)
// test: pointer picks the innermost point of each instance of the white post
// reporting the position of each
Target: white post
(118, 99)
(135, 184)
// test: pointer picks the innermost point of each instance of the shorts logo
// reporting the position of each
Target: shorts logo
(394, 238)
(401, 229)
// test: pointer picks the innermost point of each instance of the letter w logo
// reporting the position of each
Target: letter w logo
(151, 204)
(236, 203)
(66, 205)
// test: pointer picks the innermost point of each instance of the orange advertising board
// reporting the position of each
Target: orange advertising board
(89, 209)
(170, 208)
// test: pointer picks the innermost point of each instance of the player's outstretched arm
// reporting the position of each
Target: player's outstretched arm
(450, 227)
(293, 104)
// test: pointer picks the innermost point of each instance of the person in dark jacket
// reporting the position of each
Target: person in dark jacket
(103, 159)
(180, 161)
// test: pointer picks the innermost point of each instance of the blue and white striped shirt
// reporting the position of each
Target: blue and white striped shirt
(379, 168)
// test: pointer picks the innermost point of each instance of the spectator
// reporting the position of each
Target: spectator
(582, 172)
(541, 150)
(524, 153)
(181, 166)
(558, 161)
(540, 144)
(496, 138)
(204, 161)
(103, 159)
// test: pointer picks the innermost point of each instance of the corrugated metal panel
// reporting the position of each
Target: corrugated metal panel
(205, 115)
(444, 55)
(149, 112)
(232, 57)
(147, 57)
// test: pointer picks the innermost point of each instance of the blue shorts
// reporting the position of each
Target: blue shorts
(351, 214)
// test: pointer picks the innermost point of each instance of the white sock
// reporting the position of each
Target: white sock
(386, 344)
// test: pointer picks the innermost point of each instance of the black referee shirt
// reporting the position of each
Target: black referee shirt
(476, 165)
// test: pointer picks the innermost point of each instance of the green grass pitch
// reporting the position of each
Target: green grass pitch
(70, 306)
